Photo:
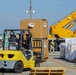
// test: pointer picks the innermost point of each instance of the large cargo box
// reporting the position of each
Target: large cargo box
(39, 31)
(38, 27)
(70, 49)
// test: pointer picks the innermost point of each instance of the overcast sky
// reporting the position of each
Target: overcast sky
(12, 11)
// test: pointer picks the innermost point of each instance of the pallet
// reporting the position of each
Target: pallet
(47, 71)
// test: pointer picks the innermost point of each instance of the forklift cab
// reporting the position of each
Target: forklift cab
(18, 39)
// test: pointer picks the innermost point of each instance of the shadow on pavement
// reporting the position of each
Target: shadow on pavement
(11, 71)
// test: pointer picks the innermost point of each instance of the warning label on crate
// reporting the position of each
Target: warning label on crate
(44, 45)
(31, 25)
(45, 25)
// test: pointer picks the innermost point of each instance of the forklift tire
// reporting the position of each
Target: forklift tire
(2, 70)
(18, 68)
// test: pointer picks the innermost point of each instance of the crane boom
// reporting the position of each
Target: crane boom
(62, 28)
(71, 17)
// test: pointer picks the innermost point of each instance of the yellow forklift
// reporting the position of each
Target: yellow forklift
(18, 55)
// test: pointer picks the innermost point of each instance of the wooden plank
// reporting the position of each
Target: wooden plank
(47, 71)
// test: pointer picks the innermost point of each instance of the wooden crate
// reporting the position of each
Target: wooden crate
(39, 27)
(37, 47)
(47, 71)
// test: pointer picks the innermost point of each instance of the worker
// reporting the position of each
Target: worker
(13, 39)
(52, 46)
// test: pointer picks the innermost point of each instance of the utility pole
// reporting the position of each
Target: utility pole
(30, 9)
